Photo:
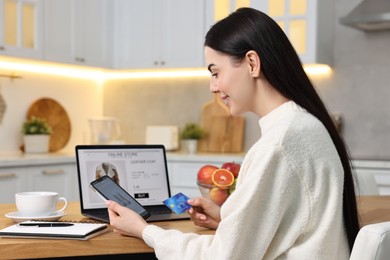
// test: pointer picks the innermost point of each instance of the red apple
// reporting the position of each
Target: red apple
(205, 173)
(218, 196)
(232, 167)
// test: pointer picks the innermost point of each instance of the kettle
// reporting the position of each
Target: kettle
(105, 130)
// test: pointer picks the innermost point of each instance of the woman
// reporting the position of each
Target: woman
(294, 196)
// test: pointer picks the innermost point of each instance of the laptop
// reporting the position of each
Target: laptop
(140, 169)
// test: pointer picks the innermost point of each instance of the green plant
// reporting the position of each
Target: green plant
(192, 131)
(36, 126)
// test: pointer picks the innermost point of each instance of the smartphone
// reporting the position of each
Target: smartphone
(107, 189)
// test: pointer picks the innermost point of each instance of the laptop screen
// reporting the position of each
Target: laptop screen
(140, 169)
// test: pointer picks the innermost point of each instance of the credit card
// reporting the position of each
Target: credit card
(178, 203)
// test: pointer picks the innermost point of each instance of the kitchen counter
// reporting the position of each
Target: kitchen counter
(17, 159)
(205, 157)
(372, 163)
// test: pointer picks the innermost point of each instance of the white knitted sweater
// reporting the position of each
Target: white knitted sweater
(287, 203)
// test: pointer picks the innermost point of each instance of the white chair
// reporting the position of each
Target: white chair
(372, 242)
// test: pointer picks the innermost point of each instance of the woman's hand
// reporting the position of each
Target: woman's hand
(204, 212)
(125, 221)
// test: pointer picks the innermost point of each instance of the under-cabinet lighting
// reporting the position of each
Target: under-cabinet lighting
(317, 69)
(50, 69)
(158, 74)
(100, 75)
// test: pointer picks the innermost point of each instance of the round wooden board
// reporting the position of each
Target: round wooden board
(56, 117)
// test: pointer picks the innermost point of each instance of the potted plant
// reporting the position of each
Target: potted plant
(190, 135)
(36, 135)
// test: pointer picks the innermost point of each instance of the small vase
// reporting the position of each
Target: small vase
(36, 143)
(191, 145)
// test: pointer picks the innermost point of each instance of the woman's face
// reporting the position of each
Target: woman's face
(232, 80)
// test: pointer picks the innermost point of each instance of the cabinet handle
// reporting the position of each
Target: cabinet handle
(53, 172)
(162, 63)
(155, 63)
(2, 48)
(7, 175)
(80, 59)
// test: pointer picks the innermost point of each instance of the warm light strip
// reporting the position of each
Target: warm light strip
(317, 69)
(158, 74)
(101, 75)
(97, 74)
(66, 71)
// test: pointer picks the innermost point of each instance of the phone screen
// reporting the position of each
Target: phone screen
(109, 190)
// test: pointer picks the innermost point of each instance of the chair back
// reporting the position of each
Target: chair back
(372, 242)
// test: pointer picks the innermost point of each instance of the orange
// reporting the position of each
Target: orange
(222, 178)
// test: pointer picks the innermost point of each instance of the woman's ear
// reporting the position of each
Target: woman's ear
(254, 63)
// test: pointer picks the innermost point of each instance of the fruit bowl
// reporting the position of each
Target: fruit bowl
(204, 189)
(216, 183)
(214, 193)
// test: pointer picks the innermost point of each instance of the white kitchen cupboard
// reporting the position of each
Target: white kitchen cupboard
(12, 180)
(61, 178)
(21, 28)
(183, 170)
(307, 23)
(182, 178)
(373, 177)
(222, 8)
(159, 33)
(78, 32)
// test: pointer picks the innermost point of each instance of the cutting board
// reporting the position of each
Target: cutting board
(224, 133)
(56, 117)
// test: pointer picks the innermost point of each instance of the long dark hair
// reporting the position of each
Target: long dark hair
(249, 29)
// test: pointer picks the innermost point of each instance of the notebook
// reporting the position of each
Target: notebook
(39, 229)
(140, 169)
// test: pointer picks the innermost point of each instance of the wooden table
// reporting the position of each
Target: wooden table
(373, 209)
(107, 243)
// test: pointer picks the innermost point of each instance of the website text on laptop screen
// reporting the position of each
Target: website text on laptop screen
(141, 172)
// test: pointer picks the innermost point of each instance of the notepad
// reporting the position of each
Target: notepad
(78, 231)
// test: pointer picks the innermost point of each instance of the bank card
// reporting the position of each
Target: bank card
(178, 203)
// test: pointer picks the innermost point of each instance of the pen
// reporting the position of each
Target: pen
(45, 224)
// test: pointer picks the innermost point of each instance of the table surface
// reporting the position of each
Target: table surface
(373, 209)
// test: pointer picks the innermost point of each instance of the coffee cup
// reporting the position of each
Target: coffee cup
(39, 203)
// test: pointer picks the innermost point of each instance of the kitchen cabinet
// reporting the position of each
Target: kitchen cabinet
(159, 33)
(58, 177)
(12, 180)
(21, 28)
(78, 32)
(222, 8)
(61, 178)
(182, 178)
(373, 177)
(117, 34)
(307, 23)
(183, 170)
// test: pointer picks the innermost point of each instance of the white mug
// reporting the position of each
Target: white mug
(38, 203)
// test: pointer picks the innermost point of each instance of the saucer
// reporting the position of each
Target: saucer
(18, 218)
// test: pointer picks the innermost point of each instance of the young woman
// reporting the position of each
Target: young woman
(295, 196)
